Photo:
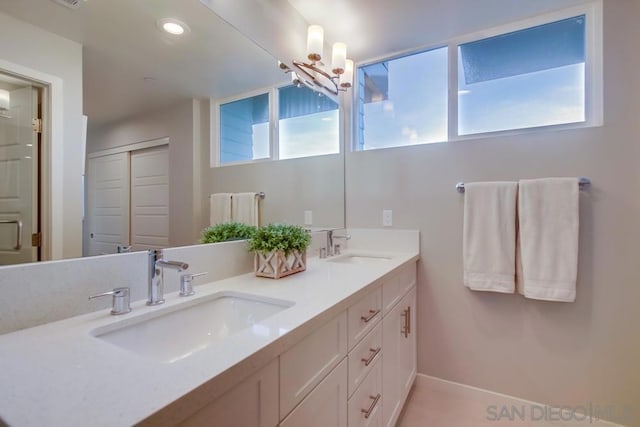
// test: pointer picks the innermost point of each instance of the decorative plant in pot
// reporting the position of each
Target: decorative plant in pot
(280, 250)
(226, 232)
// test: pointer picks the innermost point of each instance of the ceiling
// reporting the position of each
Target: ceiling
(130, 67)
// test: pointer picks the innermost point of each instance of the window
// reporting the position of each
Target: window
(543, 72)
(244, 129)
(308, 125)
(403, 101)
(528, 78)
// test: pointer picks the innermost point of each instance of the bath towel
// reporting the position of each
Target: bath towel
(220, 208)
(245, 208)
(548, 238)
(490, 236)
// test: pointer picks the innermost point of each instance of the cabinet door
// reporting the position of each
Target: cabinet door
(325, 406)
(252, 403)
(305, 364)
(399, 356)
(407, 366)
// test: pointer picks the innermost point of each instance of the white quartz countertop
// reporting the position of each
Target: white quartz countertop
(60, 374)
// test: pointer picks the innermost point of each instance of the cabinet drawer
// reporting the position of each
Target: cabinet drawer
(252, 403)
(397, 286)
(325, 406)
(304, 365)
(363, 357)
(364, 316)
(365, 406)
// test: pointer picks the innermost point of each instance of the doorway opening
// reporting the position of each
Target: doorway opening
(21, 145)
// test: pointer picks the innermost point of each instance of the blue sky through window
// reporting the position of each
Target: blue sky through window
(410, 106)
(528, 78)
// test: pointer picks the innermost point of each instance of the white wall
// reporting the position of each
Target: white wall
(176, 123)
(36, 49)
(560, 353)
(291, 186)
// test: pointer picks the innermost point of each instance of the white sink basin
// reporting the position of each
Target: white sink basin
(178, 332)
(360, 259)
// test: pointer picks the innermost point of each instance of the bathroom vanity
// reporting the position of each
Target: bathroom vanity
(332, 346)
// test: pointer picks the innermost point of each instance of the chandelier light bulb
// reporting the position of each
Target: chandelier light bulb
(315, 41)
(346, 78)
(338, 57)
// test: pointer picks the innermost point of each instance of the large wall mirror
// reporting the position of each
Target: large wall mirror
(152, 102)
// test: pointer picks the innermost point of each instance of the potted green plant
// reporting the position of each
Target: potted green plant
(280, 250)
(226, 232)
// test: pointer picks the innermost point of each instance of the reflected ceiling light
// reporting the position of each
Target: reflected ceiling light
(312, 73)
(173, 26)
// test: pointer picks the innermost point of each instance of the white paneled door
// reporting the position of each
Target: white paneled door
(150, 198)
(128, 200)
(108, 203)
(18, 178)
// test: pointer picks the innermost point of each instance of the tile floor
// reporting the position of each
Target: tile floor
(440, 405)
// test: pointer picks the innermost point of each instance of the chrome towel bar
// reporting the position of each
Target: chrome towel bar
(583, 182)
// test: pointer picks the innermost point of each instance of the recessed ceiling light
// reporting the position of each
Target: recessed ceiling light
(173, 26)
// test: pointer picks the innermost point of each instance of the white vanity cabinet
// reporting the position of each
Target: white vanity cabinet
(399, 344)
(252, 403)
(355, 370)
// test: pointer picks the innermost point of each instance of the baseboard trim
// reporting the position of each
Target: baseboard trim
(503, 400)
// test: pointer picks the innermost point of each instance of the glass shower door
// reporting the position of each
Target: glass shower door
(18, 172)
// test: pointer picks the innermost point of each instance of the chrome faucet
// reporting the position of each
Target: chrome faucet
(156, 275)
(331, 249)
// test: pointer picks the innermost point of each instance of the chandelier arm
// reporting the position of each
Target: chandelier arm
(308, 69)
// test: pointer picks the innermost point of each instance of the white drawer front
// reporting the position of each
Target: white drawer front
(365, 406)
(397, 286)
(364, 316)
(325, 406)
(363, 357)
(304, 365)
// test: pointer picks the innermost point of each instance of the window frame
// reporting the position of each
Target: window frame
(593, 104)
(214, 160)
(274, 127)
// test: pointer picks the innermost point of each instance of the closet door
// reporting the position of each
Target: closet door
(150, 198)
(108, 203)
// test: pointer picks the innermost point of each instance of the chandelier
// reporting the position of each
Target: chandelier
(312, 73)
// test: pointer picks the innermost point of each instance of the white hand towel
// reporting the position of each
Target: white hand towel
(219, 208)
(548, 222)
(245, 208)
(489, 245)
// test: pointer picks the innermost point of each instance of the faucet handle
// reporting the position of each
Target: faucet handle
(121, 303)
(186, 288)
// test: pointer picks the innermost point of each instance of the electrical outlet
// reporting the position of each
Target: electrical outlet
(387, 218)
(308, 217)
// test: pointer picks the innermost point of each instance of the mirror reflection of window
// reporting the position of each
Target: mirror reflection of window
(244, 129)
(309, 124)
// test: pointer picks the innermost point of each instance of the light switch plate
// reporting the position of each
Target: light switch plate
(308, 217)
(387, 218)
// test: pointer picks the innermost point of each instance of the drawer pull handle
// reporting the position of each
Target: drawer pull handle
(406, 328)
(374, 353)
(367, 412)
(372, 314)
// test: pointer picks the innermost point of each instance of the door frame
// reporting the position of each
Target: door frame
(131, 147)
(51, 160)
